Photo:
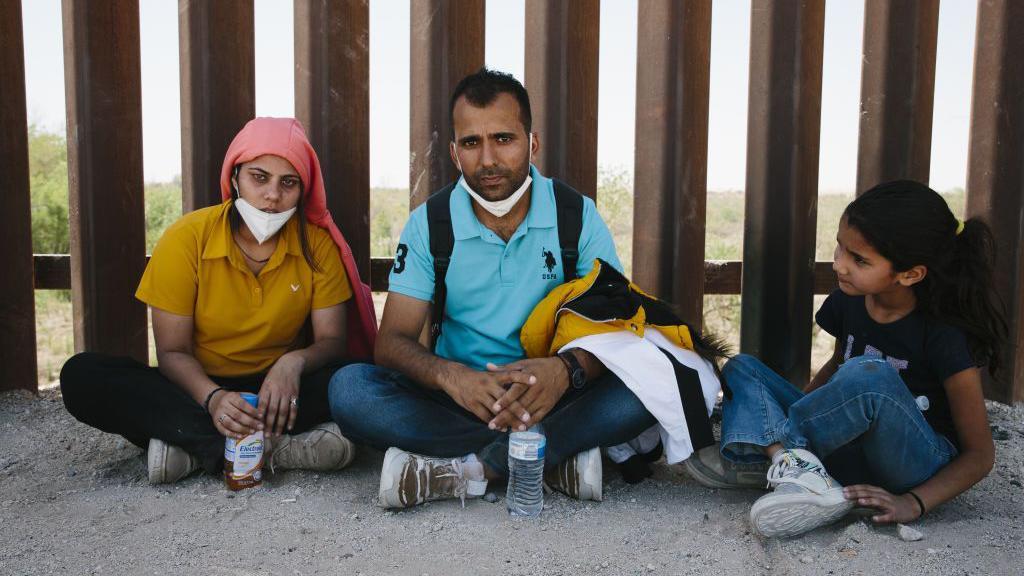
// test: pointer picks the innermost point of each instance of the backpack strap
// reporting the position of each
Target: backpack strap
(442, 242)
(569, 207)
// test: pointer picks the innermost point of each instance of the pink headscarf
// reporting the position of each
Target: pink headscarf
(285, 137)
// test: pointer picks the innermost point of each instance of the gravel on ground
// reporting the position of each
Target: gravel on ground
(74, 500)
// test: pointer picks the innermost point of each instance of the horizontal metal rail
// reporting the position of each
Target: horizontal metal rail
(53, 272)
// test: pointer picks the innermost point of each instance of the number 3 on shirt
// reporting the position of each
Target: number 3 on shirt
(400, 255)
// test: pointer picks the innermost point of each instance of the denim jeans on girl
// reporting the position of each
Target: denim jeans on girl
(863, 423)
(383, 408)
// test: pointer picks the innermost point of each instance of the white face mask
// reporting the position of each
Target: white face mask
(500, 207)
(262, 224)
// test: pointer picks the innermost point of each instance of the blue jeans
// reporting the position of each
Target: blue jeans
(863, 423)
(382, 408)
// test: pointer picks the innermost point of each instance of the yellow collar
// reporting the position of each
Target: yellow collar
(221, 245)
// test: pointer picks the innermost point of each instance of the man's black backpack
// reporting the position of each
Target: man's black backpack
(568, 206)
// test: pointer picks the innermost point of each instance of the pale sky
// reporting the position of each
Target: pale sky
(389, 83)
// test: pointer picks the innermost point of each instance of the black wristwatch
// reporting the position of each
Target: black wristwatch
(577, 377)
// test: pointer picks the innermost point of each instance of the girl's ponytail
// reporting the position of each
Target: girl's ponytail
(971, 302)
(910, 224)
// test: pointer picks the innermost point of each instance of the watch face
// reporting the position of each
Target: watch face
(577, 378)
(576, 375)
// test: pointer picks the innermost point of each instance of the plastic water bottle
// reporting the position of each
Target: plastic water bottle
(525, 494)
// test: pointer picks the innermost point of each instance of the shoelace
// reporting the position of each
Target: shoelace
(275, 449)
(305, 441)
(788, 470)
(270, 461)
(460, 479)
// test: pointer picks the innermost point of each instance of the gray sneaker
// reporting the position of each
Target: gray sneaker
(319, 448)
(168, 463)
(578, 477)
(707, 467)
(805, 497)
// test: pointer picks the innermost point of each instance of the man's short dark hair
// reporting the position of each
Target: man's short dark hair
(483, 86)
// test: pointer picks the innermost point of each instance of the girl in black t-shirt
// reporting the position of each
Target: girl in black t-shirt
(898, 411)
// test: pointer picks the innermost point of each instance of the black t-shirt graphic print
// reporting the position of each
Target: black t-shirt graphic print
(925, 352)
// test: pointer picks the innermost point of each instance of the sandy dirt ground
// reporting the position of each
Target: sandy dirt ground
(76, 501)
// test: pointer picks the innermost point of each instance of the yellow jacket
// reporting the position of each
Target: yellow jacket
(600, 302)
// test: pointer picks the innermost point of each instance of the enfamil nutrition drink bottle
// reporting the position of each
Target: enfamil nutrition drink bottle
(243, 459)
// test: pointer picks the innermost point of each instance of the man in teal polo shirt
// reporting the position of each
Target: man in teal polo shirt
(493, 285)
(444, 416)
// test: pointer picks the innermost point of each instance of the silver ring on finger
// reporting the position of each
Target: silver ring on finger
(294, 402)
(220, 419)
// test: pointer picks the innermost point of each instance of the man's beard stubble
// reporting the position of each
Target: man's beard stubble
(513, 180)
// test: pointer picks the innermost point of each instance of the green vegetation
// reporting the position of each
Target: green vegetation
(48, 178)
(163, 207)
(55, 341)
(389, 208)
(48, 173)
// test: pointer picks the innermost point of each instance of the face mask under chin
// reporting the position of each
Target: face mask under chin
(263, 225)
(499, 208)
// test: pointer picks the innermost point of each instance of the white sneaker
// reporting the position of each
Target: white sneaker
(168, 463)
(319, 448)
(408, 479)
(804, 498)
(578, 477)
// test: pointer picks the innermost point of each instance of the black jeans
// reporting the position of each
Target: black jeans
(123, 396)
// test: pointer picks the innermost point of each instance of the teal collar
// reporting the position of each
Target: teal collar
(540, 215)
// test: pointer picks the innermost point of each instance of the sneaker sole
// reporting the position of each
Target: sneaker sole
(707, 477)
(387, 488)
(156, 460)
(591, 476)
(785, 515)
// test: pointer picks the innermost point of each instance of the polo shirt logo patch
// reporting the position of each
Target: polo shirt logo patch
(549, 263)
(294, 287)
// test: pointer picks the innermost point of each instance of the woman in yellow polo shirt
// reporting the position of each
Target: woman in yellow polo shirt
(231, 289)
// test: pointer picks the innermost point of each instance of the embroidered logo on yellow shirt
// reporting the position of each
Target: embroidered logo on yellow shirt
(295, 287)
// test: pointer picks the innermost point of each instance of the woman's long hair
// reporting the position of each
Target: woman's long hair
(910, 224)
(236, 220)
